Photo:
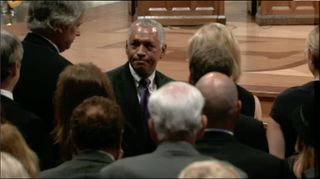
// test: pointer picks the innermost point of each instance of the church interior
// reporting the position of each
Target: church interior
(272, 47)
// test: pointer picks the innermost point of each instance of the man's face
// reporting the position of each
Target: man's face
(68, 34)
(143, 50)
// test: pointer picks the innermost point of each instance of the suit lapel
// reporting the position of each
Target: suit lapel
(128, 92)
(160, 79)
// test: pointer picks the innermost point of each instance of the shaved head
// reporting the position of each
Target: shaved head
(221, 97)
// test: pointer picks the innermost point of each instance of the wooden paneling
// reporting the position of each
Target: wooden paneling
(182, 12)
(288, 12)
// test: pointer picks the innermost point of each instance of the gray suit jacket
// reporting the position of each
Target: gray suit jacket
(165, 162)
(86, 164)
(136, 139)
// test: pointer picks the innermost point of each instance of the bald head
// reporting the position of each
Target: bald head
(221, 97)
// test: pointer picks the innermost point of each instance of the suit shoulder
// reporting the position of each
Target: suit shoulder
(163, 76)
(116, 72)
(250, 121)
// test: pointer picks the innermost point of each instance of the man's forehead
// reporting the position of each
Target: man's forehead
(144, 29)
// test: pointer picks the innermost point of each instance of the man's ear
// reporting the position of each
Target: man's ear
(127, 47)
(238, 108)
(190, 79)
(152, 130)
(204, 122)
(163, 50)
(60, 28)
(14, 69)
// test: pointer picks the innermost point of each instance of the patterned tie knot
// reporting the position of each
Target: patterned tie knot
(144, 83)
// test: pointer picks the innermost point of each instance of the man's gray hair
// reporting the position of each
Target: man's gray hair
(49, 15)
(176, 108)
(150, 23)
(11, 52)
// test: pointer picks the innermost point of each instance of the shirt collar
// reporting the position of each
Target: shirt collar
(108, 154)
(6, 93)
(137, 78)
(53, 44)
(219, 130)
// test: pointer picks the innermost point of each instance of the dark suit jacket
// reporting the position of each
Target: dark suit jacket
(86, 164)
(136, 136)
(248, 105)
(41, 66)
(166, 161)
(32, 128)
(251, 132)
(255, 163)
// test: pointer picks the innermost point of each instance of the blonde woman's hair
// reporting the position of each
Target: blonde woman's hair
(12, 142)
(312, 46)
(11, 167)
(219, 35)
(305, 159)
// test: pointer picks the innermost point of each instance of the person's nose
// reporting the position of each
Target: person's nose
(141, 51)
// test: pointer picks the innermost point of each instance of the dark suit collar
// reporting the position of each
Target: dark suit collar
(41, 41)
(93, 155)
(217, 136)
(176, 148)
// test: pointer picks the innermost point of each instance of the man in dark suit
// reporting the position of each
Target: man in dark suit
(96, 126)
(32, 127)
(216, 58)
(145, 47)
(176, 122)
(222, 109)
(54, 26)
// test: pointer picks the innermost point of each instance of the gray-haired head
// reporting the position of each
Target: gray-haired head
(176, 109)
(212, 169)
(150, 23)
(11, 52)
(50, 15)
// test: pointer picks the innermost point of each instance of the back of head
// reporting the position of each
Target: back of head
(11, 167)
(313, 48)
(210, 59)
(218, 35)
(75, 84)
(149, 23)
(11, 53)
(97, 124)
(221, 98)
(212, 169)
(51, 15)
(11, 141)
(176, 110)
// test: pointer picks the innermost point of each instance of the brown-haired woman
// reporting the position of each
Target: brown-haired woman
(75, 84)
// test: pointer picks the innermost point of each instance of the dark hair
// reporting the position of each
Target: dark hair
(97, 124)
(75, 84)
(210, 59)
